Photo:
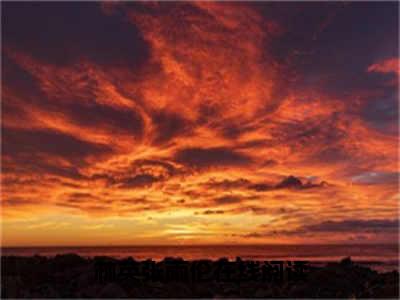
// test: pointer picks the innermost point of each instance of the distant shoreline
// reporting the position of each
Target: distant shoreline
(381, 257)
(201, 245)
(379, 266)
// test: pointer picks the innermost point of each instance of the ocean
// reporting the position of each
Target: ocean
(378, 257)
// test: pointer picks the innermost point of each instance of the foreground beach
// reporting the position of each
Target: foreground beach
(72, 276)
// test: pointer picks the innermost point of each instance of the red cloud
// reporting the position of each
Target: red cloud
(389, 65)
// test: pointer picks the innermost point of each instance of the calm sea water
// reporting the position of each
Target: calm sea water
(379, 257)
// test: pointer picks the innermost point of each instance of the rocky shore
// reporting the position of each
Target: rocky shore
(72, 276)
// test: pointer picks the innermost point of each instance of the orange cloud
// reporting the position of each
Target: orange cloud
(390, 65)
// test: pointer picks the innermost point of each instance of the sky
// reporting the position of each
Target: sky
(148, 123)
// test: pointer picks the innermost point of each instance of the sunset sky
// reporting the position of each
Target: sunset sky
(199, 123)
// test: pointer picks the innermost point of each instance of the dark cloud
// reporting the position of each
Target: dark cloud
(38, 153)
(79, 108)
(227, 184)
(208, 111)
(259, 210)
(28, 144)
(141, 173)
(213, 212)
(65, 32)
(83, 113)
(135, 201)
(230, 128)
(376, 178)
(211, 157)
(312, 32)
(16, 78)
(80, 197)
(269, 163)
(169, 125)
(356, 226)
(310, 36)
(169, 169)
(261, 187)
(250, 235)
(374, 226)
(332, 154)
(231, 131)
(228, 199)
(18, 201)
(141, 180)
(71, 172)
(290, 182)
(100, 116)
(382, 112)
(310, 131)
(15, 181)
(17, 82)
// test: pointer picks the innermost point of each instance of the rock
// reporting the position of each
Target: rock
(44, 291)
(263, 293)
(70, 276)
(91, 291)
(112, 290)
(346, 262)
(67, 261)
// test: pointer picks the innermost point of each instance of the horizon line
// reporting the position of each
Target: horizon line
(195, 245)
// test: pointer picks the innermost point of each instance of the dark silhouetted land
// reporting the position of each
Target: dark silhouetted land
(72, 276)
